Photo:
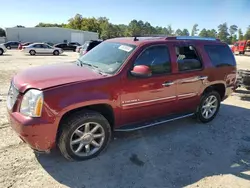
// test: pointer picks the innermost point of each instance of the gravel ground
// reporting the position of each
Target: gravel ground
(179, 154)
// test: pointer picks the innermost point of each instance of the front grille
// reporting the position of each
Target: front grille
(12, 96)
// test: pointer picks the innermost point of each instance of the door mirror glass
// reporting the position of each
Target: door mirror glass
(141, 71)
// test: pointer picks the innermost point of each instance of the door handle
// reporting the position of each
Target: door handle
(166, 84)
(202, 77)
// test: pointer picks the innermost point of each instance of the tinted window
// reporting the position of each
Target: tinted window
(236, 44)
(242, 44)
(38, 46)
(157, 58)
(187, 58)
(92, 45)
(220, 55)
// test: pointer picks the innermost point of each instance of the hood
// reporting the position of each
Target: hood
(52, 75)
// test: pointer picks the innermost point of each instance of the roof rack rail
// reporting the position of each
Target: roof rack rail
(193, 38)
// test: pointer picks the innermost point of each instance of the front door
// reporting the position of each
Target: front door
(190, 77)
(155, 96)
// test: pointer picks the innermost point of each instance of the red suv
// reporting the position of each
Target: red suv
(123, 84)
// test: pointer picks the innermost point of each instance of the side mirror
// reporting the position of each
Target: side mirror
(141, 71)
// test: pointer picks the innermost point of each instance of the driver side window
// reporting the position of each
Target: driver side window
(157, 58)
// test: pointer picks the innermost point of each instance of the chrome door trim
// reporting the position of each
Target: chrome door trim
(148, 101)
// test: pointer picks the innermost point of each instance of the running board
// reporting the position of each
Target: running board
(138, 126)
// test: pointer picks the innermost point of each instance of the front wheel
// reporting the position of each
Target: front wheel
(8, 47)
(84, 135)
(209, 106)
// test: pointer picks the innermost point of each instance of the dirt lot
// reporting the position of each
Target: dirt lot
(179, 154)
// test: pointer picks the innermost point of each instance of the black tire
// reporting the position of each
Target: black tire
(1, 51)
(56, 52)
(32, 52)
(205, 96)
(71, 124)
(8, 47)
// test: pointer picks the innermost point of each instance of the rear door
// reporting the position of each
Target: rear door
(47, 49)
(190, 76)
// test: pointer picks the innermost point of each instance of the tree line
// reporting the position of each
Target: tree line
(107, 30)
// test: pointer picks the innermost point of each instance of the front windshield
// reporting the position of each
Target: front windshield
(107, 57)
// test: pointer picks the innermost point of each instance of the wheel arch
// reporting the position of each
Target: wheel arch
(220, 87)
(103, 108)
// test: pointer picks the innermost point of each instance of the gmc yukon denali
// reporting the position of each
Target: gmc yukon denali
(123, 84)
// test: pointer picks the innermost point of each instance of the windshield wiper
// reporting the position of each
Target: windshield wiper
(92, 66)
(88, 64)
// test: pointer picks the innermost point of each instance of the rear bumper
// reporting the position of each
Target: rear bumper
(36, 132)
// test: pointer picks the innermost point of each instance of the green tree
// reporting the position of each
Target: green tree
(232, 30)
(90, 24)
(169, 30)
(76, 22)
(178, 32)
(41, 24)
(194, 30)
(234, 39)
(203, 33)
(223, 32)
(2, 32)
(134, 28)
(185, 32)
(21, 26)
(212, 33)
(247, 35)
(240, 34)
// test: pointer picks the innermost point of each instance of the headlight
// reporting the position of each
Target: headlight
(32, 103)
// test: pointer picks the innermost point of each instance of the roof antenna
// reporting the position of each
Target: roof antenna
(135, 38)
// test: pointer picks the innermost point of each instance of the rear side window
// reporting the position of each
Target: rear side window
(220, 55)
(187, 58)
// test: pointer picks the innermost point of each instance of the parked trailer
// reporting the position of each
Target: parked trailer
(243, 79)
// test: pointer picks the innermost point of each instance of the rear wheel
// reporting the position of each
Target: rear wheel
(84, 135)
(56, 52)
(32, 52)
(209, 106)
(1, 51)
(8, 47)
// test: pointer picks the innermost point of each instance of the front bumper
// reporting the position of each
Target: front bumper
(36, 132)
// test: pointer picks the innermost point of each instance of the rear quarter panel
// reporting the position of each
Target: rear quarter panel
(225, 75)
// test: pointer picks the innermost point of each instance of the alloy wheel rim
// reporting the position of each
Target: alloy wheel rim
(209, 107)
(87, 139)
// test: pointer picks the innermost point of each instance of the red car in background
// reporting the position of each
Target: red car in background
(241, 47)
(20, 46)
